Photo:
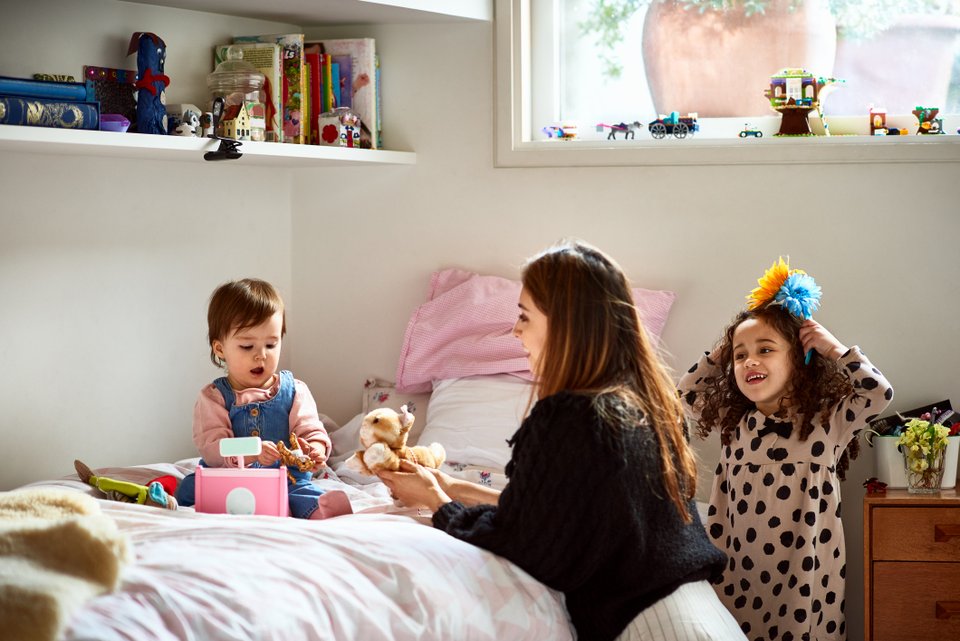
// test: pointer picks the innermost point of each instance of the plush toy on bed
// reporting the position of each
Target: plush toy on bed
(383, 434)
(158, 492)
(293, 457)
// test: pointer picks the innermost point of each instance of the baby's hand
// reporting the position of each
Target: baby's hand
(269, 454)
(815, 336)
(316, 452)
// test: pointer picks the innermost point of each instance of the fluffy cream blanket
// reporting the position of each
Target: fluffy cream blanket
(56, 551)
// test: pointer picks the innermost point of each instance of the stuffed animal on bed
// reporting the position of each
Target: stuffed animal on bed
(158, 492)
(383, 435)
(293, 457)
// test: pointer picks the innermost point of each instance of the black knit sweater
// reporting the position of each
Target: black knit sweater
(585, 512)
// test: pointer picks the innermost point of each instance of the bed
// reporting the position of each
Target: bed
(381, 573)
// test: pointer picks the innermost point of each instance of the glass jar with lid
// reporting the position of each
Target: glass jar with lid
(240, 85)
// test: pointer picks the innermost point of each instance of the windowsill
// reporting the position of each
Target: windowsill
(749, 151)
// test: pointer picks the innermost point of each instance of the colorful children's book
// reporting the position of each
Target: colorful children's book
(267, 58)
(363, 82)
(114, 89)
(293, 91)
(30, 88)
(47, 112)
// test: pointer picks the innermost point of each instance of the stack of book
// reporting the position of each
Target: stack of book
(46, 103)
(307, 79)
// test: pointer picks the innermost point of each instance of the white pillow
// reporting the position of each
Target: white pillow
(473, 417)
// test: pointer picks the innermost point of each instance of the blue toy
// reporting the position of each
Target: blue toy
(151, 82)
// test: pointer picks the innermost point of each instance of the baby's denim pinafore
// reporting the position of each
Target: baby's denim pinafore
(270, 420)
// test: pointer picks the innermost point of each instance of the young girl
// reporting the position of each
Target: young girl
(787, 420)
(246, 324)
(599, 503)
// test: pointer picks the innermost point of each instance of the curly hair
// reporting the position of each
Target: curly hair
(814, 388)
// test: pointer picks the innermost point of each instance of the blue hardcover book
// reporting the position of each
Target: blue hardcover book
(30, 88)
(43, 112)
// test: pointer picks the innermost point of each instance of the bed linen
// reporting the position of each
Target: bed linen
(382, 573)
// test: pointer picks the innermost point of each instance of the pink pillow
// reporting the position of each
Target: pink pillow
(465, 328)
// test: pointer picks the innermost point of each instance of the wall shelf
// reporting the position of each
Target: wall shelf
(42, 140)
(333, 12)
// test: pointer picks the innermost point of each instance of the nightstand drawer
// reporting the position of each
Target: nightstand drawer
(916, 534)
(916, 601)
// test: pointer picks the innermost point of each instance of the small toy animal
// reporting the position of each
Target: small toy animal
(383, 434)
(294, 457)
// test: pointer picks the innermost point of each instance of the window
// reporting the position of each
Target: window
(587, 73)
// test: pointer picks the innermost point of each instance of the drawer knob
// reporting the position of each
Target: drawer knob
(948, 609)
(943, 533)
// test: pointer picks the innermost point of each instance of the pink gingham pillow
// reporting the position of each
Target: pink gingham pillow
(465, 328)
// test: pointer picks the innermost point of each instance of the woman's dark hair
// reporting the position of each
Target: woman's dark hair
(596, 344)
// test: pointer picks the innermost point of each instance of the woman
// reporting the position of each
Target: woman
(599, 503)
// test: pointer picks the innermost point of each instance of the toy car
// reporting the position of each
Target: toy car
(749, 130)
(674, 125)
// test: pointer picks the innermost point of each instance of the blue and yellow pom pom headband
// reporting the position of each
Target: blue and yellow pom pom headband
(793, 289)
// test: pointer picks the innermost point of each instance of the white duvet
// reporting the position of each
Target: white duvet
(369, 576)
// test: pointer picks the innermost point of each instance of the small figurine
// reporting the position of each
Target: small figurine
(626, 128)
(561, 132)
(750, 130)
(151, 82)
(875, 486)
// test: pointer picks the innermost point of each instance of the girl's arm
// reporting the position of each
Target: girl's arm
(305, 423)
(871, 395)
(693, 382)
(211, 422)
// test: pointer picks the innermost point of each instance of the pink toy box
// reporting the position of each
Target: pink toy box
(239, 490)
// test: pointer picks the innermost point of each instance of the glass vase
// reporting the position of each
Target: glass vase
(924, 472)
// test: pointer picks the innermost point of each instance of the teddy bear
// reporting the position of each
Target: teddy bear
(383, 435)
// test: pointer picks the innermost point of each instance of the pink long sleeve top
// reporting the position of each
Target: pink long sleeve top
(211, 421)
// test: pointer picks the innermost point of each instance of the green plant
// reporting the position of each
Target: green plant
(856, 19)
(924, 444)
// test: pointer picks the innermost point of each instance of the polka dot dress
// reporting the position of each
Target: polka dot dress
(775, 511)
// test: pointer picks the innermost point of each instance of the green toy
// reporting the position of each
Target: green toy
(154, 493)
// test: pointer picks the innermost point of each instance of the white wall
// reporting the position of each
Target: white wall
(106, 265)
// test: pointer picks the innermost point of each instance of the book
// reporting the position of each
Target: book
(293, 89)
(267, 58)
(114, 89)
(314, 106)
(48, 112)
(30, 88)
(363, 82)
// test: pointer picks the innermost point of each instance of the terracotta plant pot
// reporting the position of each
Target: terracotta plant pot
(909, 64)
(719, 63)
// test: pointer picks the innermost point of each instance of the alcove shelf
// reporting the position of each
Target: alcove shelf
(42, 140)
(305, 14)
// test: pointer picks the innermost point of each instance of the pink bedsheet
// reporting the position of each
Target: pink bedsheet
(465, 328)
(373, 575)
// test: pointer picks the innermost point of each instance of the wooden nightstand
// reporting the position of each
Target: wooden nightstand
(911, 566)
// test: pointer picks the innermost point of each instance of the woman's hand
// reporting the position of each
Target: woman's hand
(815, 336)
(416, 486)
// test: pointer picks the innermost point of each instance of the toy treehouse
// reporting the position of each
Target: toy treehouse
(794, 93)
(928, 121)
